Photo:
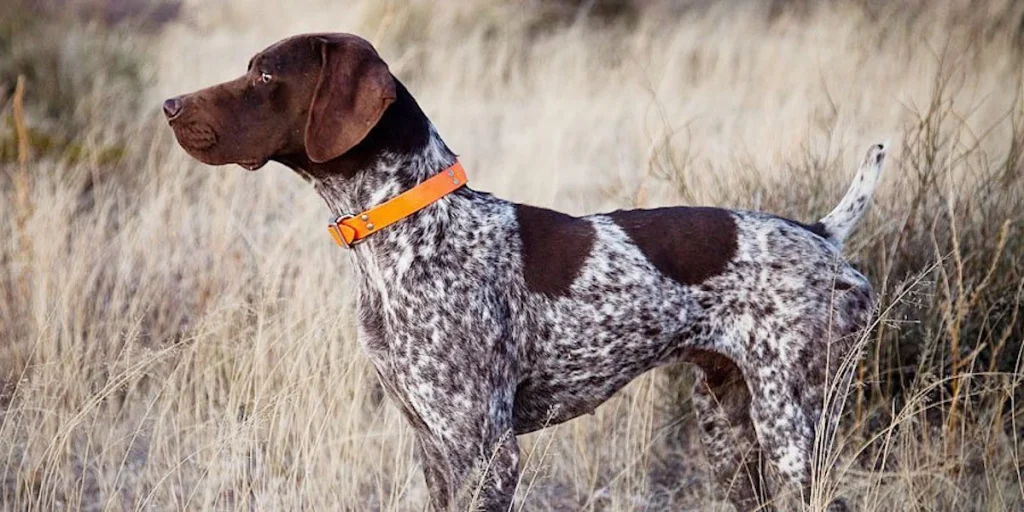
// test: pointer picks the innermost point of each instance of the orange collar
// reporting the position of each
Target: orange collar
(348, 230)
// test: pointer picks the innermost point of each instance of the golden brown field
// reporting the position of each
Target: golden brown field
(174, 336)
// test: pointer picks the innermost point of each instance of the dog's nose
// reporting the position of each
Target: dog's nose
(172, 107)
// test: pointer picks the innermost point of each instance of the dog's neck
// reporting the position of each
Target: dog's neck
(401, 151)
(387, 176)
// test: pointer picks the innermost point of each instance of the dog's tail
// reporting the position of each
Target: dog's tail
(838, 224)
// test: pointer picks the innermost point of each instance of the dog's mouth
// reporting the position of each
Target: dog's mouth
(252, 165)
(194, 136)
(201, 141)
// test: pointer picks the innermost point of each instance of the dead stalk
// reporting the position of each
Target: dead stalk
(22, 192)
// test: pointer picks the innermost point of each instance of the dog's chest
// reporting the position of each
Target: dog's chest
(418, 322)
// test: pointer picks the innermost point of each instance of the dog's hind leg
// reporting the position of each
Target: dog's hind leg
(722, 402)
(787, 411)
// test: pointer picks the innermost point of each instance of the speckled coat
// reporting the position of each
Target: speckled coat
(486, 319)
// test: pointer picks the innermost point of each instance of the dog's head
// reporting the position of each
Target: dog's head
(316, 95)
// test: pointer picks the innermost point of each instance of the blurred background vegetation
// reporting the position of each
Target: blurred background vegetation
(932, 424)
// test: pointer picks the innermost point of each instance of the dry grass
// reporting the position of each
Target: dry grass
(179, 337)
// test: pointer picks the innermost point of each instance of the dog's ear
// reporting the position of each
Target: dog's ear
(354, 89)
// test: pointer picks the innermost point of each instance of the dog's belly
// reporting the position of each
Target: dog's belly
(579, 365)
(580, 350)
(548, 397)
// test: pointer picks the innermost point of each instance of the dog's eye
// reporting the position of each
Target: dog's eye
(266, 77)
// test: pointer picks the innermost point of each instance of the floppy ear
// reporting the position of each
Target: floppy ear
(354, 89)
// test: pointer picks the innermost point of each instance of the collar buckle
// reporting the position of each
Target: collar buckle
(334, 228)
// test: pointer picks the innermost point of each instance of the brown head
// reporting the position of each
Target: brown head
(307, 101)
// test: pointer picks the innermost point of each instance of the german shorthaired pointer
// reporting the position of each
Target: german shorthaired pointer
(487, 319)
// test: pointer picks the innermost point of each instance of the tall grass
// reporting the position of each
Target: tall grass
(180, 337)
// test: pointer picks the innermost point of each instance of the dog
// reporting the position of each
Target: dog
(486, 319)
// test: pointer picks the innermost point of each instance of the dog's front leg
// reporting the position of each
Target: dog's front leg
(436, 472)
(465, 441)
(470, 472)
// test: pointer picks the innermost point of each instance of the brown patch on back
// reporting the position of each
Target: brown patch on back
(555, 246)
(688, 245)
